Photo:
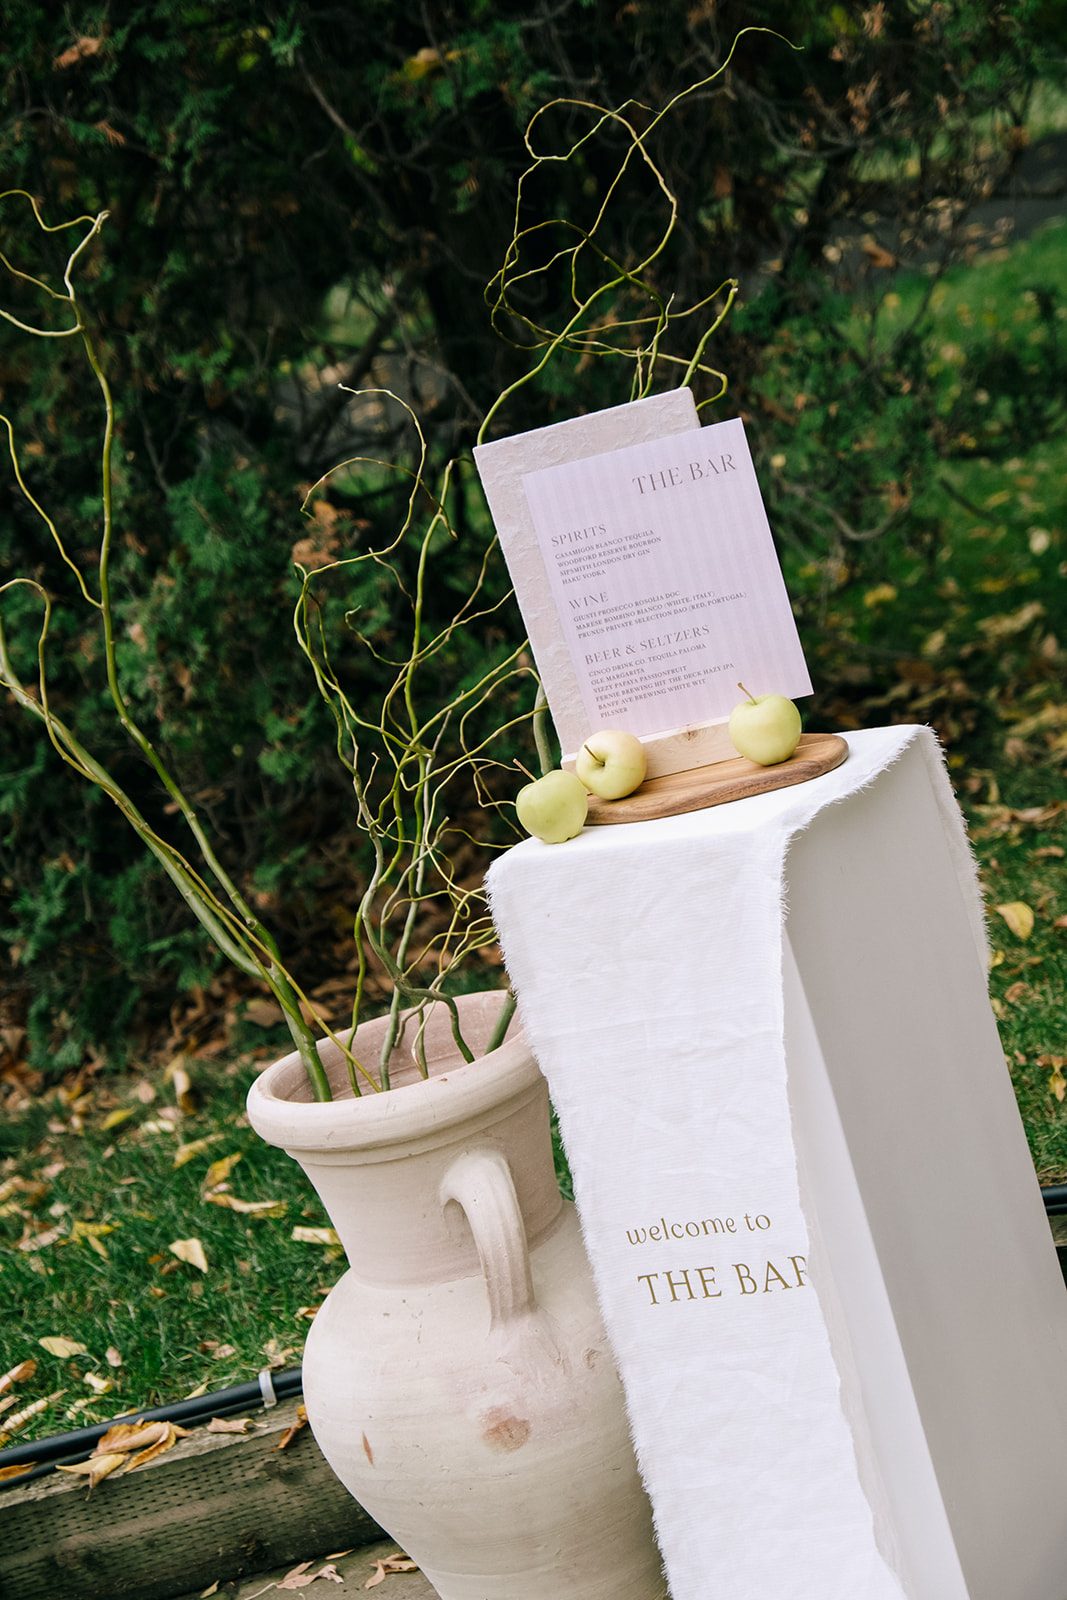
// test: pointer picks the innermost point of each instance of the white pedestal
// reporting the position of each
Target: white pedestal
(829, 1089)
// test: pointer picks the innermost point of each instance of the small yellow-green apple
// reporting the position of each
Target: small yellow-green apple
(765, 728)
(553, 808)
(611, 763)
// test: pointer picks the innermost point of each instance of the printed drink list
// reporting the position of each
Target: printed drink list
(666, 580)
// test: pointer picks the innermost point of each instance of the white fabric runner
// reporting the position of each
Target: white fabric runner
(647, 960)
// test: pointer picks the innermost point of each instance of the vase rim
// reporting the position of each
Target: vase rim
(282, 1112)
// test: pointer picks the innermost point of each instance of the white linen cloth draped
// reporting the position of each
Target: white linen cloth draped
(647, 960)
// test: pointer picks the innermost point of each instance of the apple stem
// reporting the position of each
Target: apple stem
(525, 771)
(751, 696)
(597, 759)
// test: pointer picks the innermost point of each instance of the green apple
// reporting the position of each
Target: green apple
(611, 763)
(553, 808)
(765, 728)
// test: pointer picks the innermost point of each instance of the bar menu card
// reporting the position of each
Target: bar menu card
(666, 580)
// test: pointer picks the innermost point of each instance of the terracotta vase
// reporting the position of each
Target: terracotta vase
(458, 1378)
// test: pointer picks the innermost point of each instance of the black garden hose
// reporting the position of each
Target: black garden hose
(66, 1449)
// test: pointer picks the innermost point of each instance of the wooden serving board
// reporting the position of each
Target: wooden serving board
(736, 779)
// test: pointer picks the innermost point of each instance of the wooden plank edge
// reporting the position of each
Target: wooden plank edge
(213, 1507)
(719, 784)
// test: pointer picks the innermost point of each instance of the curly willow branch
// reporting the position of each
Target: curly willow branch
(577, 334)
(228, 920)
(417, 918)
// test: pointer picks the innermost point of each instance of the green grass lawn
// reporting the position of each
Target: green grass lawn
(92, 1207)
(1020, 837)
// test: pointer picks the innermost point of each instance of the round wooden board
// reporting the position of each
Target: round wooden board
(700, 787)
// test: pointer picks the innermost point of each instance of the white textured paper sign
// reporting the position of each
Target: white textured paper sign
(664, 573)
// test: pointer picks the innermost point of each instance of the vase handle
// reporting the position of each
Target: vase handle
(480, 1182)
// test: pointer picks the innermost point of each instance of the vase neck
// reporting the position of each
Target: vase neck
(394, 1211)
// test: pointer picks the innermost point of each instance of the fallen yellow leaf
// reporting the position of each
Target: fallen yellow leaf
(229, 1425)
(148, 1440)
(40, 1241)
(99, 1385)
(176, 1075)
(113, 1118)
(183, 1091)
(220, 1170)
(1057, 1083)
(249, 1208)
(293, 1429)
(16, 1472)
(190, 1250)
(96, 1468)
(1019, 917)
(186, 1152)
(391, 1564)
(20, 1418)
(174, 1433)
(91, 1233)
(314, 1236)
(276, 1354)
(1037, 814)
(299, 1578)
(31, 1189)
(91, 1230)
(56, 1345)
(19, 1374)
(131, 1436)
